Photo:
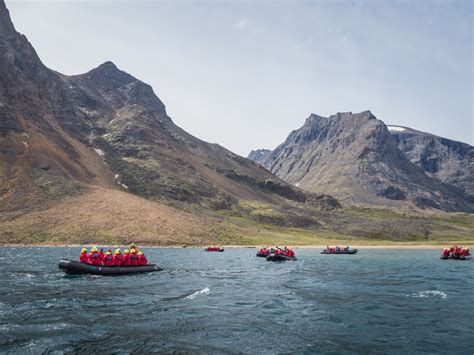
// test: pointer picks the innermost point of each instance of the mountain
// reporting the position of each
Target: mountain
(259, 155)
(355, 158)
(95, 158)
(68, 137)
(447, 160)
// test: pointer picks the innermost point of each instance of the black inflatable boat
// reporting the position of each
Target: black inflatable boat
(468, 257)
(72, 267)
(220, 250)
(350, 252)
(262, 255)
(279, 257)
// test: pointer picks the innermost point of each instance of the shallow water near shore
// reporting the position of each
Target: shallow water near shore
(401, 301)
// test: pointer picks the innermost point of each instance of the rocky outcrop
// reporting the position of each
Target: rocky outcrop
(259, 155)
(449, 161)
(354, 157)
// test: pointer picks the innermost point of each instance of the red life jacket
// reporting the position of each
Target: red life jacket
(83, 258)
(118, 259)
(126, 260)
(95, 259)
(142, 260)
(133, 260)
(108, 260)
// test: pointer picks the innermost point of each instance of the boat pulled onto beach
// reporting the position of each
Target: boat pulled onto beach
(72, 267)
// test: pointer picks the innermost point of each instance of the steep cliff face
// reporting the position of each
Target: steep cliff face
(449, 161)
(40, 161)
(60, 135)
(356, 158)
(259, 155)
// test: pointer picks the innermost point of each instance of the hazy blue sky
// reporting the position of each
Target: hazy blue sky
(244, 74)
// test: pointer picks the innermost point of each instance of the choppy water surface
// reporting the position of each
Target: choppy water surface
(400, 301)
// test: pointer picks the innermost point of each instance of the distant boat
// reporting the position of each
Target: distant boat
(217, 249)
(351, 251)
(464, 257)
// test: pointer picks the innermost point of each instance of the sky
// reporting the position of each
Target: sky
(244, 74)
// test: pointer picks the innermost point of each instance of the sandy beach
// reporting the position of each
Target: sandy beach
(354, 246)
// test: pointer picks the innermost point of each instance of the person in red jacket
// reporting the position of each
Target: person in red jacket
(94, 257)
(126, 258)
(118, 258)
(108, 259)
(133, 257)
(142, 260)
(83, 257)
(102, 254)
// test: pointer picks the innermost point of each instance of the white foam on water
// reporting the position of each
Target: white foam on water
(197, 293)
(429, 293)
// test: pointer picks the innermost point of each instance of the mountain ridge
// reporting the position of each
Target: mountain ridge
(65, 134)
(356, 158)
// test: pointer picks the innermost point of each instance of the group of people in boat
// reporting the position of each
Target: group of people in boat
(455, 252)
(214, 248)
(97, 257)
(277, 251)
(337, 249)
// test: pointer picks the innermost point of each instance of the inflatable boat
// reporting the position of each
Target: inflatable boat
(219, 250)
(351, 251)
(465, 257)
(72, 267)
(279, 257)
(262, 255)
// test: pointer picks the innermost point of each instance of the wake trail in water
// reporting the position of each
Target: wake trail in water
(197, 293)
(429, 293)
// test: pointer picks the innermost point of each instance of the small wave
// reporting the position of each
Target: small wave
(429, 293)
(197, 293)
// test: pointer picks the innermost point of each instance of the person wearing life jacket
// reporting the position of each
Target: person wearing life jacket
(446, 252)
(102, 254)
(134, 246)
(118, 257)
(94, 257)
(464, 252)
(142, 260)
(126, 258)
(83, 257)
(456, 250)
(108, 259)
(133, 257)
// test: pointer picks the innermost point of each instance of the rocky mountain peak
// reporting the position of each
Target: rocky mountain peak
(354, 156)
(6, 24)
(108, 76)
(119, 88)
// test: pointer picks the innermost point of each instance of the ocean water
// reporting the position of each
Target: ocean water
(378, 301)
